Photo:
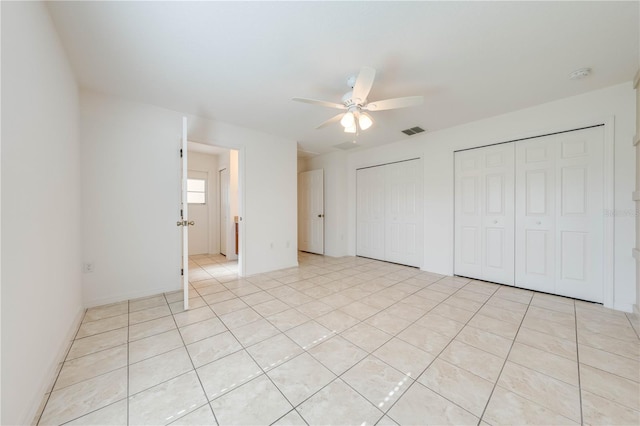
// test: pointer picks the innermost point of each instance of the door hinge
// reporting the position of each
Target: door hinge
(181, 271)
(181, 213)
(180, 152)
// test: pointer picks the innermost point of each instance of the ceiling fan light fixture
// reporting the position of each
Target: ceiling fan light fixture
(365, 121)
(351, 129)
(348, 120)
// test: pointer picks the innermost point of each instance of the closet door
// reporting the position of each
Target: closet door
(560, 221)
(389, 219)
(469, 170)
(370, 206)
(536, 214)
(580, 214)
(403, 213)
(484, 213)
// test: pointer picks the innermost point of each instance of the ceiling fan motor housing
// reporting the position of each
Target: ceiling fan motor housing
(348, 101)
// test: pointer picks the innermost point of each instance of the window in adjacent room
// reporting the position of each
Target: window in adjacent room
(196, 191)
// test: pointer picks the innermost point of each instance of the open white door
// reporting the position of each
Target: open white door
(184, 213)
(311, 211)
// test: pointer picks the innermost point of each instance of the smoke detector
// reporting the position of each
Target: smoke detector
(580, 73)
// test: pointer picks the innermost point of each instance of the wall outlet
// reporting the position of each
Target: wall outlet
(87, 267)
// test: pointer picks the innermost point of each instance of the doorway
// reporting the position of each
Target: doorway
(214, 187)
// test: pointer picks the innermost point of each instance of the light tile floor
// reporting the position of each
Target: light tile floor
(348, 341)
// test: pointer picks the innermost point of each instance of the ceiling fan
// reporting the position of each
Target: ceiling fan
(357, 106)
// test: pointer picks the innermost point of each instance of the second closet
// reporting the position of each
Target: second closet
(531, 213)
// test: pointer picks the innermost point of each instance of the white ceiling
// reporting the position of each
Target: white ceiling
(205, 149)
(242, 62)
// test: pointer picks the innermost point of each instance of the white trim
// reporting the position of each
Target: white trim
(636, 80)
(636, 140)
(636, 254)
(134, 295)
(635, 195)
(624, 307)
(609, 247)
(241, 214)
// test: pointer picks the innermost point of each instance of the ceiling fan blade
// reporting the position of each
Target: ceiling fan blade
(394, 103)
(321, 103)
(332, 120)
(363, 84)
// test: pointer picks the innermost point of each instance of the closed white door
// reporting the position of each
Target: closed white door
(197, 197)
(560, 231)
(403, 213)
(389, 212)
(370, 211)
(536, 214)
(224, 209)
(484, 213)
(311, 211)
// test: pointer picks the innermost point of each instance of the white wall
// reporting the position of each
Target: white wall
(207, 163)
(437, 149)
(131, 195)
(302, 165)
(335, 200)
(636, 84)
(41, 265)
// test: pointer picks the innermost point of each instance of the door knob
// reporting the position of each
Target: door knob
(191, 223)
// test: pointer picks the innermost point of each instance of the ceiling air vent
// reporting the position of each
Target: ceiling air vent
(413, 131)
(346, 145)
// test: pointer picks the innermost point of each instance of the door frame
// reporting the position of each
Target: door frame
(302, 176)
(220, 215)
(191, 175)
(241, 198)
(608, 190)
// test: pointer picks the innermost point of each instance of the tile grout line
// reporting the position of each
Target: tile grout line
(128, 362)
(338, 309)
(575, 313)
(506, 359)
(204, 392)
(384, 413)
(303, 351)
(57, 376)
(445, 347)
(631, 323)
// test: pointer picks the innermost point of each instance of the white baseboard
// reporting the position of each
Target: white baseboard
(131, 295)
(625, 307)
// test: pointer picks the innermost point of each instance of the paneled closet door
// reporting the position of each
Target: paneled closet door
(403, 212)
(469, 172)
(370, 205)
(580, 214)
(535, 213)
(484, 213)
(560, 221)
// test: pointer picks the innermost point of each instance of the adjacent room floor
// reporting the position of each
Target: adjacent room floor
(348, 341)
